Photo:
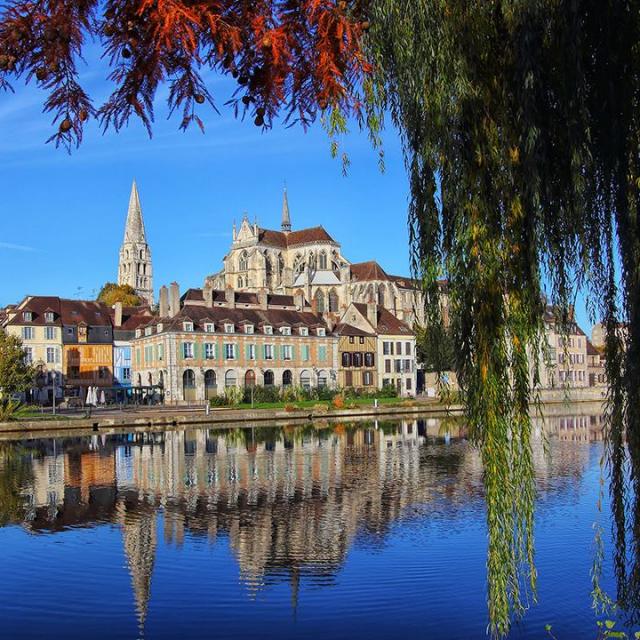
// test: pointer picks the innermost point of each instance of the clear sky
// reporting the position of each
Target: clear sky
(63, 215)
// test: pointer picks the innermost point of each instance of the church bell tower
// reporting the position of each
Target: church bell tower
(135, 266)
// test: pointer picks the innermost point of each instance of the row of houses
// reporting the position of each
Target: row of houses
(199, 344)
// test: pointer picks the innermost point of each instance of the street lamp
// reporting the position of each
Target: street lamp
(53, 386)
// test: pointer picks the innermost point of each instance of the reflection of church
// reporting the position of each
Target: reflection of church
(309, 261)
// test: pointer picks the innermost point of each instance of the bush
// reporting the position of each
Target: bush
(218, 401)
(9, 410)
(338, 402)
(262, 394)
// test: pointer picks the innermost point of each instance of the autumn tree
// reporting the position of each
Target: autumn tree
(123, 293)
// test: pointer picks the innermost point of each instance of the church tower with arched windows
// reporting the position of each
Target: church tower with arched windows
(135, 266)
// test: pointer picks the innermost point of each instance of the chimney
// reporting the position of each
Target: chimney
(117, 316)
(298, 300)
(174, 299)
(372, 314)
(207, 294)
(263, 298)
(230, 296)
(164, 302)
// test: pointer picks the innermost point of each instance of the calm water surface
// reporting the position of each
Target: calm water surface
(368, 530)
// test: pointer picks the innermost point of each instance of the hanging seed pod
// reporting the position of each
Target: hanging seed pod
(50, 34)
(246, 100)
(65, 125)
(126, 53)
(109, 14)
(266, 42)
(4, 62)
(365, 25)
(259, 121)
(54, 67)
(41, 74)
(260, 111)
(243, 79)
(109, 30)
(234, 73)
(322, 103)
(83, 115)
(199, 98)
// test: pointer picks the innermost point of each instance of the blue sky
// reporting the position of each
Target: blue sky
(63, 215)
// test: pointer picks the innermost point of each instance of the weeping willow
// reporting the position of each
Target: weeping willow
(519, 122)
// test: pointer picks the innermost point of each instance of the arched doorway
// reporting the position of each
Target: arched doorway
(250, 378)
(322, 378)
(268, 378)
(230, 378)
(305, 379)
(210, 384)
(287, 378)
(189, 386)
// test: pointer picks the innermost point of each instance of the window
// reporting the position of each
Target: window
(51, 354)
(321, 332)
(305, 379)
(251, 352)
(27, 333)
(243, 263)
(398, 366)
(320, 302)
(348, 379)
(399, 348)
(148, 330)
(367, 378)
(285, 331)
(230, 379)
(230, 352)
(357, 359)
(159, 327)
(228, 328)
(322, 260)
(305, 352)
(408, 381)
(407, 366)
(369, 359)
(73, 372)
(103, 373)
(209, 351)
(387, 366)
(209, 327)
(387, 348)
(351, 339)
(287, 352)
(346, 359)
(28, 355)
(50, 333)
(268, 352)
(187, 349)
(322, 379)
(361, 339)
(27, 316)
(126, 374)
(160, 351)
(304, 331)
(407, 348)
(268, 329)
(268, 378)
(48, 316)
(334, 301)
(187, 326)
(248, 328)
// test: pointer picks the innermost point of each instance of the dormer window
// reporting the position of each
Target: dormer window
(147, 331)
(228, 328)
(187, 326)
(138, 333)
(248, 328)
(27, 316)
(285, 331)
(48, 316)
(321, 332)
(304, 331)
(160, 327)
(268, 329)
(209, 327)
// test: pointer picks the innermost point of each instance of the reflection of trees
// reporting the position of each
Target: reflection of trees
(15, 474)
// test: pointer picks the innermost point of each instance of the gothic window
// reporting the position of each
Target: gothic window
(381, 295)
(141, 254)
(322, 260)
(280, 263)
(298, 264)
(333, 300)
(244, 261)
(320, 301)
(240, 282)
(268, 265)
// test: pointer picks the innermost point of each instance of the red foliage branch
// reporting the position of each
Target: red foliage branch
(290, 57)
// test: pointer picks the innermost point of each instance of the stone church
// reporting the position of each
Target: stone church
(310, 261)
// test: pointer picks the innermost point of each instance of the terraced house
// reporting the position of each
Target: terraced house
(210, 340)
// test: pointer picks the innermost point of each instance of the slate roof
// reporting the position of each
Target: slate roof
(241, 297)
(258, 317)
(38, 305)
(388, 324)
(133, 317)
(294, 238)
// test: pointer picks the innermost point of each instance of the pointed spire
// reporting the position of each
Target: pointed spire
(286, 218)
(134, 230)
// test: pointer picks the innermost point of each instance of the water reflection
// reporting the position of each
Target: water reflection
(292, 501)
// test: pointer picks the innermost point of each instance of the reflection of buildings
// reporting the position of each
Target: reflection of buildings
(291, 502)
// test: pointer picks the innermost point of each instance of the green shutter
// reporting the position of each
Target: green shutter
(293, 352)
(264, 351)
(196, 350)
(247, 351)
(281, 352)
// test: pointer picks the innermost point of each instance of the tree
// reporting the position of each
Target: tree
(15, 374)
(123, 293)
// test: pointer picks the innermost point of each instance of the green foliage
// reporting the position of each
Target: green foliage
(15, 374)
(434, 348)
(9, 409)
(123, 293)
(521, 129)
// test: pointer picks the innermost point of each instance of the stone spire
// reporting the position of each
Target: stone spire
(286, 218)
(135, 267)
(134, 229)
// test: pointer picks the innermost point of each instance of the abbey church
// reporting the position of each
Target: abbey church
(309, 262)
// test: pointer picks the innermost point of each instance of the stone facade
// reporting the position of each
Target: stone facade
(310, 262)
(135, 267)
(215, 340)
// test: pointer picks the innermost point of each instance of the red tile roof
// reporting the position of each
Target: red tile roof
(294, 238)
(387, 323)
